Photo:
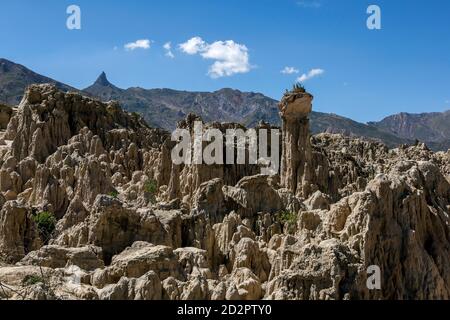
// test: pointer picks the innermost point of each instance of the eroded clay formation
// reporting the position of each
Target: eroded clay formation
(131, 225)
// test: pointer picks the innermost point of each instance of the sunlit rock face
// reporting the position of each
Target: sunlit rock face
(296, 105)
(296, 159)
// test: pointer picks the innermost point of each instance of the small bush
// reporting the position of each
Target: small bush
(46, 224)
(31, 280)
(136, 115)
(151, 188)
(114, 194)
(298, 87)
(288, 217)
(288, 220)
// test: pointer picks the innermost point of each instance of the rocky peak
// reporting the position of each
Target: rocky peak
(229, 91)
(102, 80)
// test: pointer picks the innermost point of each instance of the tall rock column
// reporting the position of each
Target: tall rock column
(296, 169)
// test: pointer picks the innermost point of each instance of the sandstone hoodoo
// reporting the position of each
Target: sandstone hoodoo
(295, 108)
(92, 207)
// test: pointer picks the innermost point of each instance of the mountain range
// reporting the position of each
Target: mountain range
(164, 107)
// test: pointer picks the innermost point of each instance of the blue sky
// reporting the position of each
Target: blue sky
(367, 74)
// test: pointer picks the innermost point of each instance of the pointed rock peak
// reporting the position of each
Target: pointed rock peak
(102, 80)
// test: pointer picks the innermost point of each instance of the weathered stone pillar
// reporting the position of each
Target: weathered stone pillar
(296, 157)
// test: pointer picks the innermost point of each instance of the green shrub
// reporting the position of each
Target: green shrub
(288, 217)
(31, 280)
(151, 188)
(298, 87)
(46, 223)
(136, 115)
(114, 194)
(288, 220)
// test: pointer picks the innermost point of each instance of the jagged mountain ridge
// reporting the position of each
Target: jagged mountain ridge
(249, 108)
(432, 127)
(163, 108)
(226, 104)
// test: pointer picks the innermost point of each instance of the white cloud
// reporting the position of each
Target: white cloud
(309, 4)
(230, 57)
(193, 46)
(289, 70)
(311, 74)
(139, 44)
(168, 47)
